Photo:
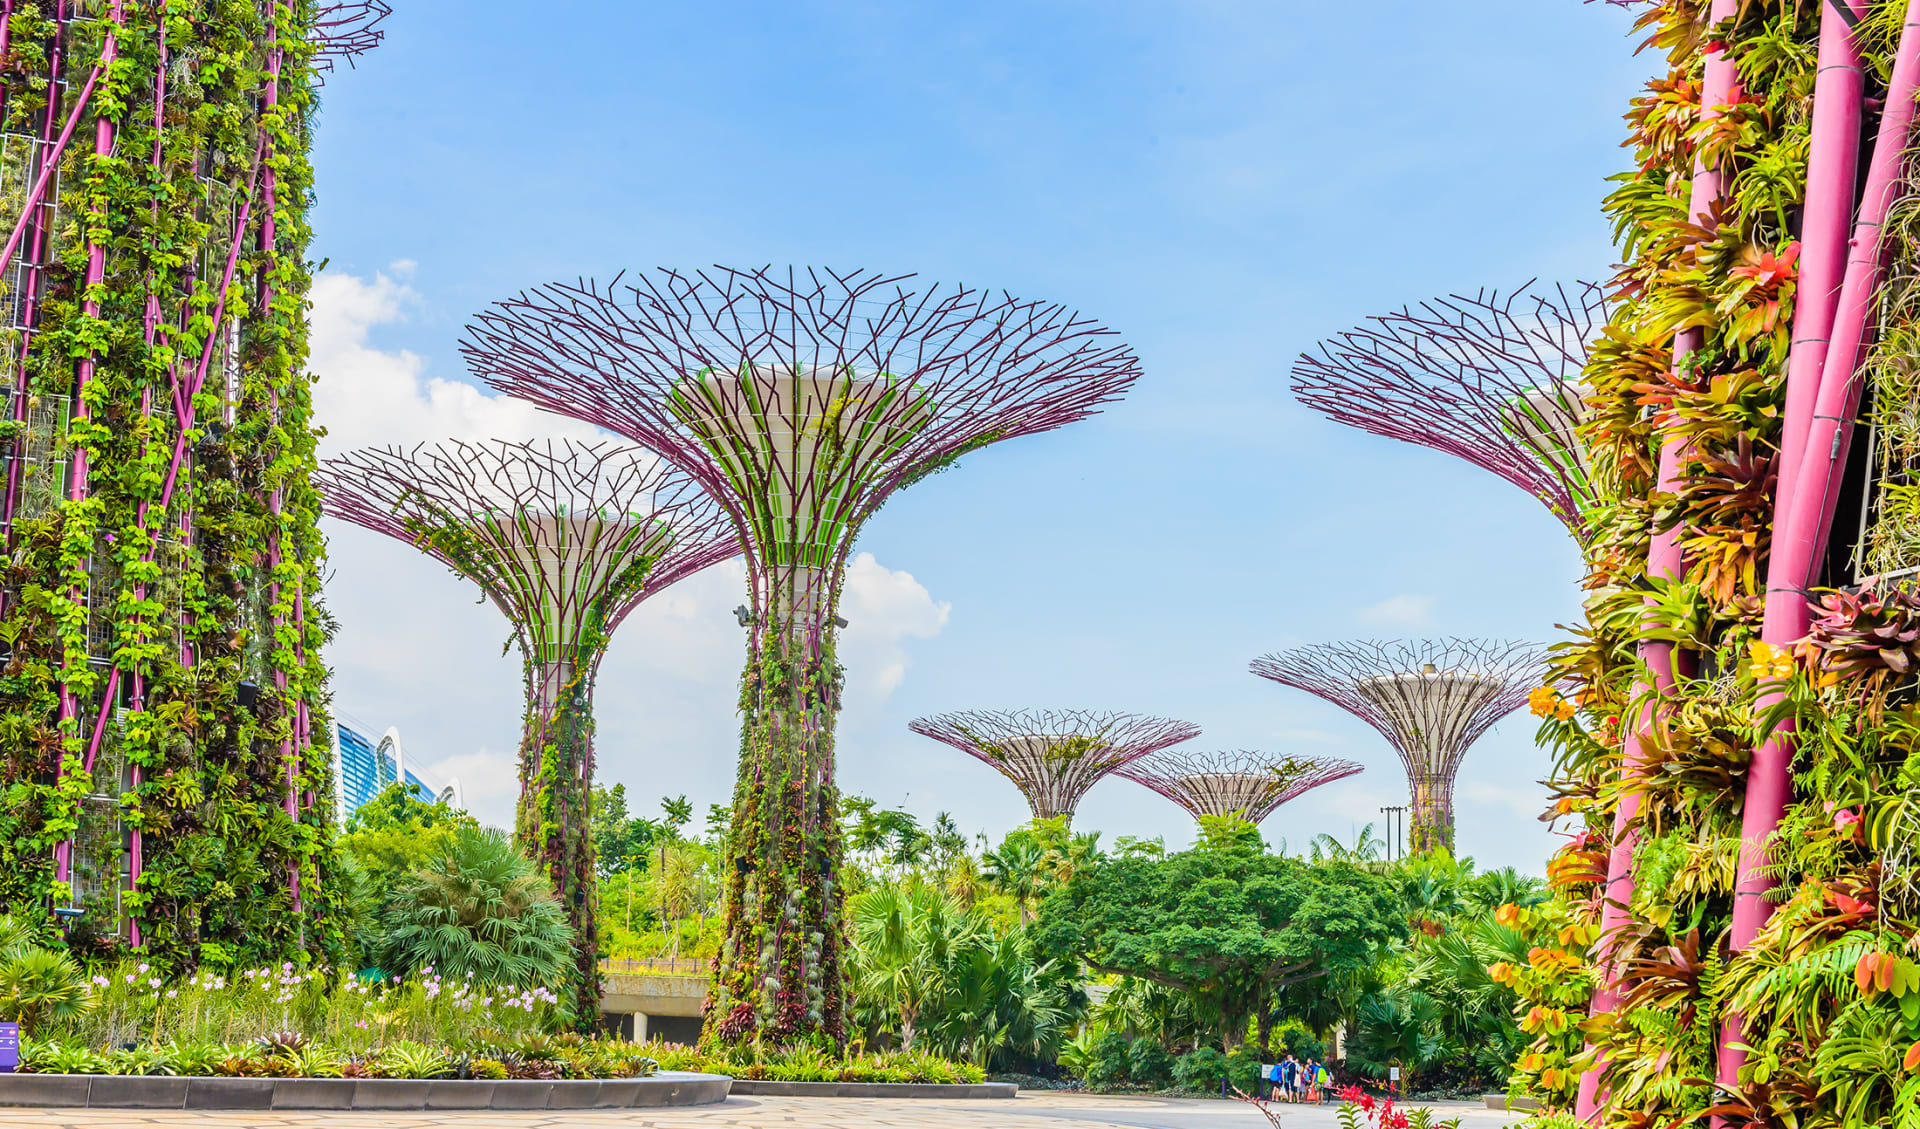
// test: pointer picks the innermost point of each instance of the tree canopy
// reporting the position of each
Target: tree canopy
(1228, 926)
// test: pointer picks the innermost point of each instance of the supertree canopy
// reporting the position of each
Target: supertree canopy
(347, 30)
(566, 539)
(801, 400)
(1054, 756)
(164, 708)
(1493, 379)
(1431, 700)
(1245, 782)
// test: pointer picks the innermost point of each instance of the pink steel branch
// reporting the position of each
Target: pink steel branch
(1431, 699)
(1243, 781)
(547, 530)
(1054, 756)
(960, 368)
(1492, 379)
(345, 31)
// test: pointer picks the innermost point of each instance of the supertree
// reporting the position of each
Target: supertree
(1493, 379)
(345, 31)
(1431, 700)
(566, 539)
(801, 400)
(1054, 756)
(162, 541)
(1246, 782)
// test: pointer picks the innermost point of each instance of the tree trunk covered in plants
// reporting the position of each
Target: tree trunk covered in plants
(553, 822)
(1430, 823)
(779, 976)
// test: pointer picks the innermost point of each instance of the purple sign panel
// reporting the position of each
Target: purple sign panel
(9, 1047)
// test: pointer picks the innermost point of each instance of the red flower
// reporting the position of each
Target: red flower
(1770, 270)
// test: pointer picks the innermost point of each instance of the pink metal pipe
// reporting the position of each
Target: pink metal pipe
(150, 326)
(1832, 170)
(1801, 532)
(103, 131)
(291, 748)
(1665, 561)
(50, 164)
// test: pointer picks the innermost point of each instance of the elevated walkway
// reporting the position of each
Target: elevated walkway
(664, 997)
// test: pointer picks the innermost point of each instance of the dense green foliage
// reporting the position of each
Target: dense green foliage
(1823, 996)
(1229, 927)
(477, 911)
(186, 602)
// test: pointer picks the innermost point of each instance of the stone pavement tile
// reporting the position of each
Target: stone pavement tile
(1029, 1111)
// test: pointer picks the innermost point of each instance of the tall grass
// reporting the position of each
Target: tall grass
(134, 1004)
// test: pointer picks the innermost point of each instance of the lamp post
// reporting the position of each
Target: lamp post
(1394, 837)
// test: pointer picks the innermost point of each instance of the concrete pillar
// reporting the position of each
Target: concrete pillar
(639, 1026)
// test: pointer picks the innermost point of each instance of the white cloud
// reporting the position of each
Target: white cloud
(489, 784)
(368, 395)
(883, 608)
(1400, 611)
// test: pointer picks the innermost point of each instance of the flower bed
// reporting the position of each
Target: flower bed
(531, 1057)
(806, 1064)
(285, 1022)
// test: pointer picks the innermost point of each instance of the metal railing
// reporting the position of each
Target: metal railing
(661, 966)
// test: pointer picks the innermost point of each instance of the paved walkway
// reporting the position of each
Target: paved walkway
(1032, 1110)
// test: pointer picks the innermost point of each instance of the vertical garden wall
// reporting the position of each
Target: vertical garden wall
(162, 704)
(1734, 932)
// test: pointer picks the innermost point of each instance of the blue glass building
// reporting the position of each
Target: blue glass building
(362, 767)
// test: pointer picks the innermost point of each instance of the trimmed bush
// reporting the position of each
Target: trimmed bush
(1149, 1064)
(1110, 1062)
(1243, 1067)
(1200, 1069)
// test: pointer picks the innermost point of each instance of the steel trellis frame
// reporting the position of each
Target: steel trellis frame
(1222, 782)
(1493, 379)
(549, 531)
(1431, 700)
(344, 31)
(1054, 756)
(800, 399)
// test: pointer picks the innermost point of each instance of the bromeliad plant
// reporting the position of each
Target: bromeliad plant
(1748, 937)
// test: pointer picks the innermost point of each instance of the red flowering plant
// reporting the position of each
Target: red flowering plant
(1361, 1110)
(1869, 639)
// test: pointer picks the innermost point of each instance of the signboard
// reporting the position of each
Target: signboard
(1393, 1076)
(9, 1047)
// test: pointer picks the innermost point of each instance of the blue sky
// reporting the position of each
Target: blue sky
(1223, 183)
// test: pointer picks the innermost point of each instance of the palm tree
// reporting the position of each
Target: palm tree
(1506, 886)
(37, 985)
(1018, 870)
(675, 813)
(1399, 1028)
(686, 887)
(479, 908)
(904, 941)
(1366, 847)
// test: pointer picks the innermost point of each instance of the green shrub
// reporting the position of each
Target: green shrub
(39, 986)
(478, 908)
(1110, 1062)
(1149, 1064)
(1243, 1067)
(1200, 1069)
(1301, 1044)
